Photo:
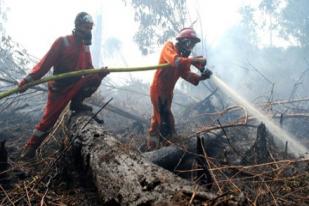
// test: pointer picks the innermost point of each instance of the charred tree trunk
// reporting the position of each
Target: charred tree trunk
(260, 151)
(3, 162)
(122, 176)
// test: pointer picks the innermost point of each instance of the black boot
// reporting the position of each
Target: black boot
(85, 92)
(29, 151)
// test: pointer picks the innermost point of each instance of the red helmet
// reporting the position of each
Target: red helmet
(188, 33)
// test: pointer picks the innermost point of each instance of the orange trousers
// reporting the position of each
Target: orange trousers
(57, 101)
(162, 120)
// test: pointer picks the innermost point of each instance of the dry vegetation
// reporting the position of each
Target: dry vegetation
(55, 179)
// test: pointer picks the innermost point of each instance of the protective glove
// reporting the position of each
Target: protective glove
(104, 73)
(23, 82)
(206, 74)
(199, 62)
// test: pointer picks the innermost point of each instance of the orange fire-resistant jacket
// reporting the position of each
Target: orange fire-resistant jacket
(66, 54)
(164, 82)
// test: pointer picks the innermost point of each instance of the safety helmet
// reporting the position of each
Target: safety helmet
(81, 18)
(188, 33)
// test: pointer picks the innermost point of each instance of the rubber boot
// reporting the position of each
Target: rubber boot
(166, 141)
(31, 146)
(77, 104)
(153, 142)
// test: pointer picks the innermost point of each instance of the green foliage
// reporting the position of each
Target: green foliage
(14, 60)
(269, 6)
(295, 21)
(248, 25)
(3, 16)
(158, 21)
(289, 19)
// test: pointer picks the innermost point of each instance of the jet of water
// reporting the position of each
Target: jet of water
(294, 146)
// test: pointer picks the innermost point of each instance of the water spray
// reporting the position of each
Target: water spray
(294, 146)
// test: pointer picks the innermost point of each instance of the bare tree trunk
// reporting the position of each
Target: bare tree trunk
(122, 176)
(260, 151)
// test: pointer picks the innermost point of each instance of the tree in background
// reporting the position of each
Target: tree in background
(14, 62)
(287, 19)
(158, 21)
(14, 59)
(3, 16)
(284, 19)
(248, 25)
(271, 9)
(294, 19)
(241, 54)
(113, 47)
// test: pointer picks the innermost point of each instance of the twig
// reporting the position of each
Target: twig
(261, 165)
(6, 194)
(209, 167)
(193, 195)
(228, 140)
(271, 193)
(97, 113)
(42, 199)
(28, 198)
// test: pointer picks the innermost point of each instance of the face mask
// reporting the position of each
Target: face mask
(184, 52)
(185, 47)
(86, 37)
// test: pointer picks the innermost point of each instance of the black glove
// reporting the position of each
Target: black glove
(206, 74)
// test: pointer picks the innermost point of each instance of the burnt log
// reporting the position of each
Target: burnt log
(260, 151)
(3, 164)
(3, 159)
(187, 159)
(177, 157)
(122, 176)
(121, 112)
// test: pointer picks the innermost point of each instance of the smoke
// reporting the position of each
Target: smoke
(258, 72)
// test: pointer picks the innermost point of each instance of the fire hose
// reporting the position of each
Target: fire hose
(80, 73)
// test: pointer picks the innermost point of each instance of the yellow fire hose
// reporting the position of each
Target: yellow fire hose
(80, 73)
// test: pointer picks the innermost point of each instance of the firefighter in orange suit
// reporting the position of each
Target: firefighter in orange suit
(67, 54)
(161, 90)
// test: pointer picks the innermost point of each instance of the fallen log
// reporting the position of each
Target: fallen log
(172, 156)
(123, 177)
(186, 161)
(126, 114)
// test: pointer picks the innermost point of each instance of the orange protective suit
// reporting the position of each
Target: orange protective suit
(161, 89)
(67, 54)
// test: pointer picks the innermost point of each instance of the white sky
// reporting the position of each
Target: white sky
(35, 24)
